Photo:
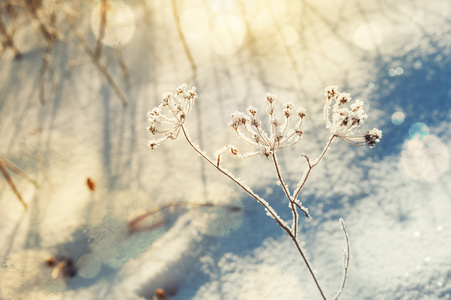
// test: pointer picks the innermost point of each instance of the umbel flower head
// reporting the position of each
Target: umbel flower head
(248, 128)
(167, 118)
(345, 120)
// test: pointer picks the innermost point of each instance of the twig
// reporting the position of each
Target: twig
(310, 167)
(182, 37)
(95, 60)
(103, 10)
(346, 259)
(8, 40)
(46, 63)
(11, 183)
(287, 193)
(123, 66)
(19, 172)
(133, 223)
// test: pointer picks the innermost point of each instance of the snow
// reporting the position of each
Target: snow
(209, 239)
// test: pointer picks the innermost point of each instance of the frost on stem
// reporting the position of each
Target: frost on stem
(167, 118)
(345, 120)
(249, 128)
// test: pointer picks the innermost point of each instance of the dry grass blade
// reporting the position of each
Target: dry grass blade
(133, 225)
(19, 172)
(10, 181)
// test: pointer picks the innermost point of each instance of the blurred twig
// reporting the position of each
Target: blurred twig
(133, 224)
(8, 41)
(46, 61)
(95, 60)
(4, 166)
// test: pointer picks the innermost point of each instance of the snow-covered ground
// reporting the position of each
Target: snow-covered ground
(395, 198)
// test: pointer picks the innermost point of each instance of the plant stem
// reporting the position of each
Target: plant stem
(268, 208)
(310, 167)
(287, 193)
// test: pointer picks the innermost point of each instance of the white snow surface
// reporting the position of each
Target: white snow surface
(395, 198)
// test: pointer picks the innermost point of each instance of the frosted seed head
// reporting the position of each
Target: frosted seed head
(238, 118)
(331, 92)
(181, 89)
(191, 94)
(342, 98)
(275, 122)
(234, 150)
(255, 122)
(287, 113)
(373, 136)
(152, 144)
(302, 112)
(152, 129)
(252, 110)
(166, 98)
(288, 105)
(299, 132)
(256, 138)
(270, 98)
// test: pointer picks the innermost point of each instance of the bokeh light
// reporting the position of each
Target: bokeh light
(367, 36)
(425, 157)
(119, 25)
(418, 130)
(395, 71)
(88, 265)
(397, 118)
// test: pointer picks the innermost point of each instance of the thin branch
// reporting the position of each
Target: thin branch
(182, 37)
(19, 172)
(8, 40)
(287, 193)
(11, 183)
(132, 225)
(103, 11)
(310, 167)
(46, 62)
(346, 259)
(95, 60)
(307, 263)
(260, 200)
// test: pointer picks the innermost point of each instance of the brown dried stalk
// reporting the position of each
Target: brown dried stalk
(4, 166)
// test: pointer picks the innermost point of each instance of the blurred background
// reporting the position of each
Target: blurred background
(88, 211)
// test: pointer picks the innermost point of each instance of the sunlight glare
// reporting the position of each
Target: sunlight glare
(425, 157)
(227, 34)
(367, 36)
(194, 23)
(119, 25)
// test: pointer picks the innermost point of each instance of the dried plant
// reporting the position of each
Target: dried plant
(4, 166)
(168, 120)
